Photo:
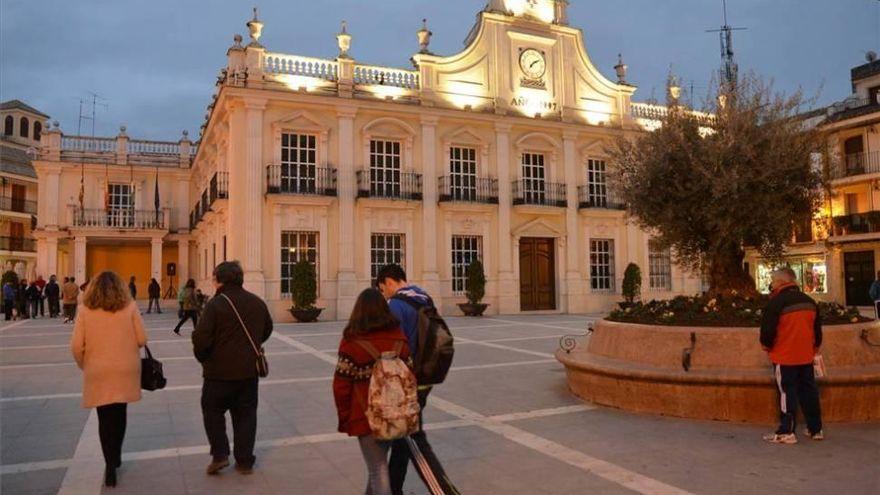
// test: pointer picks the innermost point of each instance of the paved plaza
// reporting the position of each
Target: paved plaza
(503, 423)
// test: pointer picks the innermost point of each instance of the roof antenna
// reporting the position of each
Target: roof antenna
(97, 100)
(729, 68)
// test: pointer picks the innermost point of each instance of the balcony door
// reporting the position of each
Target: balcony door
(597, 192)
(120, 205)
(384, 168)
(537, 277)
(853, 149)
(533, 175)
(858, 271)
(463, 173)
(299, 156)
(19, 194)
(16, 236)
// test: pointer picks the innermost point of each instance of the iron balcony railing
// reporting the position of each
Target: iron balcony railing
(468, 189)
(20, 244)
(856, 223)
(301, 179)
(218, 188)
(389, 184)
(540, 193)
(858, 164)
(119, 218)
(18, 205)
(592, 199)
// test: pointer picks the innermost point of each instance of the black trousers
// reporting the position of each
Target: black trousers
(239, 397)
(111, 430)
(150, 306)
(417, 448)
(54, 308)
(8, 304)
(190, 313)
(797, 387)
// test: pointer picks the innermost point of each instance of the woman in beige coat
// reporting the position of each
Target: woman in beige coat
(107, 337)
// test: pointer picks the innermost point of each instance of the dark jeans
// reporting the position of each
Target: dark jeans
(8, 304)
(70, 311)
(417, 448)
(797, 386)
(111, 430)
(190, 313)
(239, 397)
(150, 306)
(33, 306)
(53, 307)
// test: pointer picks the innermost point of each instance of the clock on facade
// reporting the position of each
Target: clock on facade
(532, 63)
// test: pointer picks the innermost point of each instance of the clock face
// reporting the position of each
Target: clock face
(532, 63)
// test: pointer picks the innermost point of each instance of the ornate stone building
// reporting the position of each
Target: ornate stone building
(496, 152)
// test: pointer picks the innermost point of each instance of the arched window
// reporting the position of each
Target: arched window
(7, 125)
(38, 130)
(23, 127)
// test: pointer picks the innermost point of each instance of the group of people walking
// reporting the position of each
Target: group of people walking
(29, 300)
(392, 326)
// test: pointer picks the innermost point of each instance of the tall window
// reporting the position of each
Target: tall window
(597, 193)
(659, 267)
(23, 125)
(296, 246)
(38, 130)
(385, 249)
(533, 177)
(299, 158)
(602, 264)
(8, 123)
(465, 249)
(463, 173)
(120, 205)
(384, 168)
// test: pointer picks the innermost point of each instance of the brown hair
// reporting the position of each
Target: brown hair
(107, 292)
(370, 314)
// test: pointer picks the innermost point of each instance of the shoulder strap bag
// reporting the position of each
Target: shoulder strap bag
(152, 377)
(262, 362)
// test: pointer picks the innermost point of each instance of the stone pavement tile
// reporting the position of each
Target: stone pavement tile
(46, 446)
(32, 483)
(710, 457)
(320, 342)
(22, 382)
(26, 356)
(150, 477)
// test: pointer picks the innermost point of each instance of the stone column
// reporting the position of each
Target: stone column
(430, 276)
(573, 280)
(79, 259)
(156, 258)
(508, 292)
(181, 204)
(347, 188)
(182, 261)
(251, 230)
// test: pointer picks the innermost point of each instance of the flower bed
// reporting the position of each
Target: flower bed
(731, 311)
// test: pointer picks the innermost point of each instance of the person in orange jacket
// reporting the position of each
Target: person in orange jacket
(791, 332)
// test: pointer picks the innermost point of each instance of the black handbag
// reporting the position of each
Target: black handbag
(152, 377)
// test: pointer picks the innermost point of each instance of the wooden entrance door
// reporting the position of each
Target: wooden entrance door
(858, 271)
(537, 277)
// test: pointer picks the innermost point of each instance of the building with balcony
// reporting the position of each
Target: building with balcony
(837, 254)
(19, 142)
(114, 203)
(496, 152)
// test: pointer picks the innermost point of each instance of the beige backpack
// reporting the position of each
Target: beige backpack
(392, 407)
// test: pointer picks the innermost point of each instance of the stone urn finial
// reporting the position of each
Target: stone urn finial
(256, 30)
(673, 87)
(122, 129)
(424, 35)
(185, 135)
(343, 39)
(236, 41)
(620, 68)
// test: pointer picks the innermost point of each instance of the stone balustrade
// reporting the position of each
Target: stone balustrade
(119, 150)
(119, 218)
(385, 76)
(295, 65)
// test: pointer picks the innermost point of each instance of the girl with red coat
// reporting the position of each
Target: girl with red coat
(370, 321)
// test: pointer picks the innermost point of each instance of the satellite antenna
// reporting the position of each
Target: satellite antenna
(729, 68)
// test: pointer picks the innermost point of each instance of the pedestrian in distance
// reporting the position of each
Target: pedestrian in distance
(791, 333)
(69, 297)
(8, 300)
(41, 284)
(373, 342)
(154, 290)
(227, 341)
(430, 342)
(874, 293)
(107, 337)
(21, 300)
(33, 295)
(132, 288)
(53, 294)
(190, 306)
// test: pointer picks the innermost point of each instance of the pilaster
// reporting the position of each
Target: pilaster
(430, 276)
(79, 259)
(347, 275)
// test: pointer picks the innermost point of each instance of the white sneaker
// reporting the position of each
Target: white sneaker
(815, 436)
(784, 438)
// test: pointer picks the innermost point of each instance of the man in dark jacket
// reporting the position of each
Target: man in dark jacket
(33, 295)
(874, 293)
(154, 290)
(53, 295)
(791, 332)
(229, 365)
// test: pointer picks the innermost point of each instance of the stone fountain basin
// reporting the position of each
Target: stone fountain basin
(639, 368)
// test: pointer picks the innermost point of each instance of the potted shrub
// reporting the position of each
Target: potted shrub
(475, 287)
(304, 292)
(632, 285)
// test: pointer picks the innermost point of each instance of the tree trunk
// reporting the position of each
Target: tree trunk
(727, 277)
